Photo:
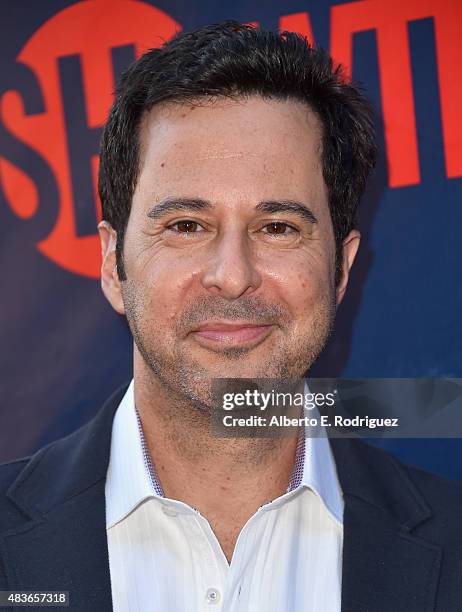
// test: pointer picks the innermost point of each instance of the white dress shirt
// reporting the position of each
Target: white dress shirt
(164, 556)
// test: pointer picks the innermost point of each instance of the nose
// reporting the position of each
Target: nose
(230, 271)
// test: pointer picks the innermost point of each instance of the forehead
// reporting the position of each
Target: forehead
(253, 144)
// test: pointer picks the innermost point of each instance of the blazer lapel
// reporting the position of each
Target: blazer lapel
(63, 544)
(385, 566)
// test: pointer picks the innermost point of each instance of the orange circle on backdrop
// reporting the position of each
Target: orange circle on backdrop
(89, 29)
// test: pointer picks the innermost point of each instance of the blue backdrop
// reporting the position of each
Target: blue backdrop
(63, 348)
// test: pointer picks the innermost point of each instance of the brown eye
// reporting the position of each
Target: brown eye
(185, 227)
(278, 228)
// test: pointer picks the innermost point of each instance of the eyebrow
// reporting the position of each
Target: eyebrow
(173, 204)
(289, 206)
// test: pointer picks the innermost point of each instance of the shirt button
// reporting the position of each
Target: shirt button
(169, 511)
(212, 596)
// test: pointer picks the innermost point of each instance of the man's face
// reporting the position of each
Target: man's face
(229, 227)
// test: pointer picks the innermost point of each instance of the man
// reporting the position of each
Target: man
(231, 169)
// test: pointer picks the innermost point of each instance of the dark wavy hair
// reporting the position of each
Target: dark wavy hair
(232, 60)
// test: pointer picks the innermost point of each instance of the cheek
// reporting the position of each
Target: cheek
(307, 296)
(165, 286)
(302, 282)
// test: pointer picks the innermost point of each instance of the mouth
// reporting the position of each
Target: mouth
(216, 334)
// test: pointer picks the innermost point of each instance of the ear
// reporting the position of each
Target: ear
(349, 250)
(110, 282)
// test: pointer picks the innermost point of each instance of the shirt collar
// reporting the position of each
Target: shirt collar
(131, 476)
(319, 469)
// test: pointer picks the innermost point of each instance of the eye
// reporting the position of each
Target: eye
(185, 226)
(278, 228)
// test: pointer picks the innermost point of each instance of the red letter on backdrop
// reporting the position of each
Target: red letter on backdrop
(297, 22)
(390, 22)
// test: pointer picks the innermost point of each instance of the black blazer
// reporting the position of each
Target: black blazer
(402, 526)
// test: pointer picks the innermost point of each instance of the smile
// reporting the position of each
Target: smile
(216, 334)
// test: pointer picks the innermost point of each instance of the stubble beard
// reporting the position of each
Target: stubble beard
(187, 383)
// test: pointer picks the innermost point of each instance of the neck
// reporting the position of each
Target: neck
(225, 479)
